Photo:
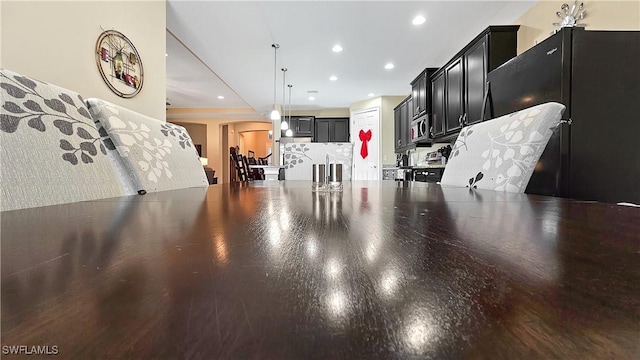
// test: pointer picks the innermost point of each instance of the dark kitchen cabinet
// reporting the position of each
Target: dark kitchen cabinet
(301, 126)
(331, 130)
(321, 133)
(475, 81)
(421, 109)
(304, 126)
(402, 125)
(397, 118)
(410, 115)
(438, 113)
(454, 96)
(340, 131)
(459, 87)
(421, 93)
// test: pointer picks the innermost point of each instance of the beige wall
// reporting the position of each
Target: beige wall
(386, 104)
(322, 113)
(536, 24)
(198, 133)
(217, 153)
(54, 41)
(258, 141)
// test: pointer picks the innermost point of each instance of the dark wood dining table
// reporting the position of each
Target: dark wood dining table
(272, 270)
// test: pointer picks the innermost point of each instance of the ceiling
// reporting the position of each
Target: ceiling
(224, 48)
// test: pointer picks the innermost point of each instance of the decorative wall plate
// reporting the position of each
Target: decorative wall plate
(119, 64)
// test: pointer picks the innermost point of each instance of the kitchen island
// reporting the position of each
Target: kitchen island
(300, 157)
(270, 270)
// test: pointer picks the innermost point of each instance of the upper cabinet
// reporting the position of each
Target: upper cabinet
(418, 94)
(436, 128)
(331, 130)
(475, 79)
(402, 125)
(454, 96)
(421, 93)
(304, 126)
(301, 126)
(460, 86)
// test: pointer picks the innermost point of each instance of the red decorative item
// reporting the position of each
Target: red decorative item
(365, 137)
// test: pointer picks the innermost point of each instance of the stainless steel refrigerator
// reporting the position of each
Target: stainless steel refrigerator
(596, 75)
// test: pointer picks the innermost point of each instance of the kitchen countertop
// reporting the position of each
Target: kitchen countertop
(429, 166)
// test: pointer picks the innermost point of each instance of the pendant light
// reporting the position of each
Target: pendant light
(284, 125)
(275, 114)
(289, 131)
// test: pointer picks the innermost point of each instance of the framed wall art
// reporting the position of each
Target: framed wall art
(119, 64)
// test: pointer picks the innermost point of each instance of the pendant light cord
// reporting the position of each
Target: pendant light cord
(275, 71)
(290, 86)
(284, 77)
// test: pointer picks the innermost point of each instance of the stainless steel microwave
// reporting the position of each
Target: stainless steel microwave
(420, 129)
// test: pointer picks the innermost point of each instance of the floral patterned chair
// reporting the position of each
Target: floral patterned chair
(501, 154)
(51, 151)
(157, 156)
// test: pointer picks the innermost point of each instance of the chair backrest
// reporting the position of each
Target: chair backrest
(51, 151)
(501, 154)
(264, 160)
(157, 155)
(247, 169)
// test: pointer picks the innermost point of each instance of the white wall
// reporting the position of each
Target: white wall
(54, 41)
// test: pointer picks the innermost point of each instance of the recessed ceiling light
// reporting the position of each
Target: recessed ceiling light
(333, 78)
(220, 97)
(312, 98)
(371, 94)
(336, 48)
(389, 66)
(165, 54)
(418, 20)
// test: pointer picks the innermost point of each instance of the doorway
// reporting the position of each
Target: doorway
(366, 150)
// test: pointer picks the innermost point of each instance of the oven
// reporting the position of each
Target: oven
(420, 129)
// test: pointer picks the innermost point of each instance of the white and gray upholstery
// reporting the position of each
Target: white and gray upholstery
(156, 155)
(51, 150)
(300, 157)
(500, 154)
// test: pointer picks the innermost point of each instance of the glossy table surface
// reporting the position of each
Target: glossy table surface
(383, 270)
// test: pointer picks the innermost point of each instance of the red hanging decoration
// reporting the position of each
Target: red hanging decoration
(364, 137)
